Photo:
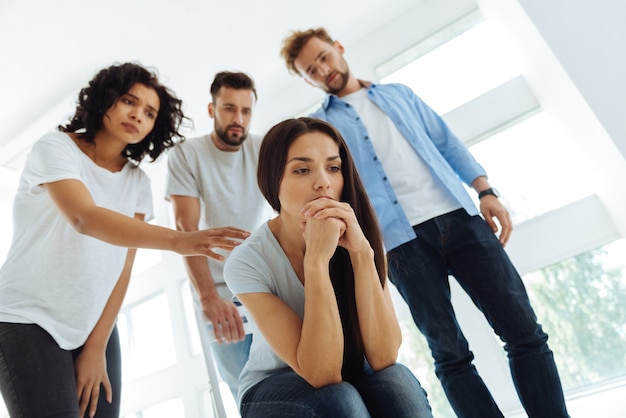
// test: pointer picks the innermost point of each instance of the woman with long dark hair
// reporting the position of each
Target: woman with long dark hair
(314, 282)
(79, 216)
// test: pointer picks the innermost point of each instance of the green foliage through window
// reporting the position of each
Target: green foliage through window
(580, 302)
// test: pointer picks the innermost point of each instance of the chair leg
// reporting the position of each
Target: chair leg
(214, 380)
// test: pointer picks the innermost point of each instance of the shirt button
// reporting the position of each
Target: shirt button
(375, 158)
(366, 137)
(395, 202)
(384, 178)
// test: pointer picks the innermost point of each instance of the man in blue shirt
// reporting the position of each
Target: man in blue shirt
(411, 163)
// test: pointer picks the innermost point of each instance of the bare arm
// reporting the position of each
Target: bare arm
(313, 345)
(490, 207)
(377, 319)
(223, 314)
(91, 363)
(77, 206)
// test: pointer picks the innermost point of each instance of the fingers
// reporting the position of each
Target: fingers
(496, 210)
(507, 228)
(202, 242)
(235, 326)
(321, 208)
(83, 400)
(232, 329)
(228, 231)
(88, 397)
(331, 209)
(108, 390)
(93, 405)
(227, 323)
(492, 225)
(228, 330)
(217, 243)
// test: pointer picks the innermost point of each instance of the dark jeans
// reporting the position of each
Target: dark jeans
(463, 246)
(37, 377)
(391, 392)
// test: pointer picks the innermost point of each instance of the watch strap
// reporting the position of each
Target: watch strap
(490, 191)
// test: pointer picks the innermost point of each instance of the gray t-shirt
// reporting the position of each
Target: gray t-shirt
(225, 182)
(259, 265)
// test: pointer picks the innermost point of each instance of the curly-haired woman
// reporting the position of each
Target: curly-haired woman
(79, 215)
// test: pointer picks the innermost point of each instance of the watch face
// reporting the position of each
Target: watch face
(495, 192)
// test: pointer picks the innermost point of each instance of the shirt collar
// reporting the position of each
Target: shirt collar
(329, 97)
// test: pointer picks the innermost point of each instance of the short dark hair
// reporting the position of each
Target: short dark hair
(271, 167)
(234, 80)
(106, 87)
(293, 44)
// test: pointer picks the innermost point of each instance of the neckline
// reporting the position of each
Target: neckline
(92, 162)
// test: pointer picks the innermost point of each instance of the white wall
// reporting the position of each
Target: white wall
(575, 65)
(589, 38)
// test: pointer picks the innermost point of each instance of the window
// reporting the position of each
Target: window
(146, 337)
(146, 259)
(415, 354)
(534, 167)
(188, 306)
(167, 409)
(580, 303)
(462, 68)
(539, 170)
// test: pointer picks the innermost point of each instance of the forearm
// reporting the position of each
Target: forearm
(118, 229)
(377, 320)
(99, 336)
(480, 183)
(200, 275)
(320, 350)
(187, 216)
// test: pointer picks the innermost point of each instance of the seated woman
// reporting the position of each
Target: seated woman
(326, 337)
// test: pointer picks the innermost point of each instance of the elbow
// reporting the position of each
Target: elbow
(84, 221)
(183, 225)
(179, 224)
(80, 225)
(381, 362)
(382, 358)
(320, 375)
(319, 380)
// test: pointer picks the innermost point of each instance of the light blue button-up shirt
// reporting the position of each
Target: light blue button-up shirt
(443, 152)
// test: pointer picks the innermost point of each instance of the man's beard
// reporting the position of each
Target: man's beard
(222, 134)
(344, 76)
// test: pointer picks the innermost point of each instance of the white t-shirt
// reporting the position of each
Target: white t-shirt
(225, 182)
(54, 276)
(260, 265)
(419, 196)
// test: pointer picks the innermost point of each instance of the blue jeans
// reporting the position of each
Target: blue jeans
(230, 359)
(37, 376)
(391, 392)
(463, 246)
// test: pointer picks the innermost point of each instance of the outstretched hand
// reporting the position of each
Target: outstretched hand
(491, 207)
(203, 242)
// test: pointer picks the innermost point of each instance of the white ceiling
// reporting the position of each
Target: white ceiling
(50, 49)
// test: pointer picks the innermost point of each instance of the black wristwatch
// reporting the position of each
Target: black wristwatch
(491, 191)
